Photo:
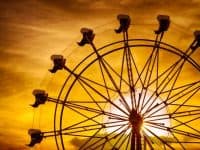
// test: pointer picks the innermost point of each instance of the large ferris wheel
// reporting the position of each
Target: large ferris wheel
(115, 100)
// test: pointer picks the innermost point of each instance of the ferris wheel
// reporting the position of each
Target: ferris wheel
(132, 94)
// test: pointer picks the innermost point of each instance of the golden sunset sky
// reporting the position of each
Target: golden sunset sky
(32, 30)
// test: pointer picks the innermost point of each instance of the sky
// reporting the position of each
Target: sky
(32, 30)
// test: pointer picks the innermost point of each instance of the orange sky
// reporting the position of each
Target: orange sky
(32, 30)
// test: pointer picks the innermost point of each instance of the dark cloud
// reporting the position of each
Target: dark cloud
(122, 5)
(82, 5)
(8, 142)
(77, 142)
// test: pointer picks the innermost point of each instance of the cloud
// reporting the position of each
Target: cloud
(12, 142)
(16, 74)
(31, 30)
(153, 5)
(77, 142)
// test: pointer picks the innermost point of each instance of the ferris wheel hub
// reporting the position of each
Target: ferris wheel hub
(136, 120)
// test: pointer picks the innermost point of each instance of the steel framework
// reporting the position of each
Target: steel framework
(124, 105)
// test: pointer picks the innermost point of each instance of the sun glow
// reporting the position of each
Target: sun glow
(150, 111)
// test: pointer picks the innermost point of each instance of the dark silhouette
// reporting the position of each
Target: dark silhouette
(88, 36)
(164, 22)
(59, 63)
(36, 136)
(196, 43)
(124, 21)
(40, 97)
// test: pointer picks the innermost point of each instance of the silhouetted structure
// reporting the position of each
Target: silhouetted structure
(36, 136)
(141, 110)
(40, 97)
(88, 36)
(164, 23)
(124, 21)
(59, 63)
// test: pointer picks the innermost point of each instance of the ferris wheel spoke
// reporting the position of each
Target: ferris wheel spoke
(85, 79)
(153, 58)
(105, 137)
(83, 115)
(125, 104)
(88, 128)
(119, 75)
(177, 141)
(173, 115)
(121, 71)
(181, 123)
(150, 67)
(88, 37)
(186, 89)
(83, 136)
(177, 131)
(84, 129)
(123, 138)
(163, 83)
(139, 78)
(102, 62)
(88, 140)
(164, 141)
(185, 92)
(108, 140)
(128, 142)
(186, 142)
(89, 94)
(180, 62)
(104, 97)
(177, 114)
(122, 80)
(159, 126)
(148, 140)
(103, 125)
(128, 55)
(77, 125)
(96, 111)
(184, 133)
(160, 139)
(165, 73)
(104, 80)
(85, 101)
(194, 91)
(108, 100)
(187, 106)
(130, 78)
(172, 76)
(191, 92)
(169, 78)
(120, 138)
(183, 87)
(123, 142)
(76, 104)
(148, 62)
(96, 83)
